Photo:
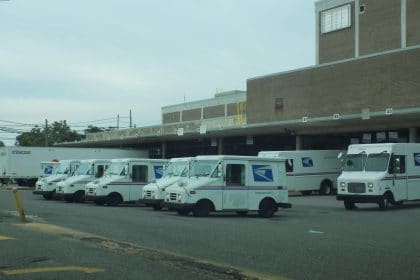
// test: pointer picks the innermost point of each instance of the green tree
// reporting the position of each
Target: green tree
(57, 132)
(93, 129)
(2, 144)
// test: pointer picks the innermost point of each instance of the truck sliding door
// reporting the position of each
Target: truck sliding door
(235, 193)
(139, 177)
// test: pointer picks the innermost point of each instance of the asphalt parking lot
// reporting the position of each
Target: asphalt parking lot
(316, 239)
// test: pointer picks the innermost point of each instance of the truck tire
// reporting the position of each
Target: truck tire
(49, 196)
(267, 208)
(384, 202)
(79, 197)
(349, 204)
(326, 188)
(202, 208)
(113, 199)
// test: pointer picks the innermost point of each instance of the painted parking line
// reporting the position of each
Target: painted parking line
(51, 269)
(2, 237)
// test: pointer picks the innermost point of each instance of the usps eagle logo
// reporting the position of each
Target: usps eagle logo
(307, 162)
(262, 173)
(417, 159)
(158, 171)
(48, 169)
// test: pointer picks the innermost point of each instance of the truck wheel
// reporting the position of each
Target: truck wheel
(267, 208)
(79, 196)
(349, 204)
(157, 207)
(383, 202)
(49, 196)
(183, 212)
(326, 188)
(202, 209)
(114, 199)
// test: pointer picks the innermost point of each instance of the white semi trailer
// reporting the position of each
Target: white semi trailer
(21, 164)
(310, 170)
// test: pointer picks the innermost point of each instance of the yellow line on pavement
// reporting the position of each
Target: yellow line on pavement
(2, 237)
(51, 269)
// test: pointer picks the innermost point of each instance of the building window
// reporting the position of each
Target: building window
(336, 19)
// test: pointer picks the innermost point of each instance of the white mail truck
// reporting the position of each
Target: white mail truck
(46, 186)
(124, 180)
(380, 173)
(310, 170)
(175, 170)
(230, 183)
(72, 189)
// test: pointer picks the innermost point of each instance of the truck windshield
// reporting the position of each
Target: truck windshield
(355, 162)
(84, 169)
(203, 168)
(63, 168)
(117, 168)
(175, 169)
(377, 162)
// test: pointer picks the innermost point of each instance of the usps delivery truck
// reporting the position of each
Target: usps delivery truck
(124, 180)
(72, 189)
(46, 186)
(310, 170)
(380, 173)
(230, 183)
(175, 170)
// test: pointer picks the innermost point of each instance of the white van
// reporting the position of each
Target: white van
(380, 173)
(46, 186)
(73, 188)
(310, 170)
(124, 180)
(230, 183)
(154, 193)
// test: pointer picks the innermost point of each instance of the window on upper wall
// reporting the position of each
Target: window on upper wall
(336, 19)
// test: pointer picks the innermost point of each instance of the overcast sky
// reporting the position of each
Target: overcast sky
(83, 60)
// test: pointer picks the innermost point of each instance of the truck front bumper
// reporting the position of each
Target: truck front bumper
(360, 198)
(38, 192)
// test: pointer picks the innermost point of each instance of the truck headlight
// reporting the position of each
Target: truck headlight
(343, 184)
(370, 185)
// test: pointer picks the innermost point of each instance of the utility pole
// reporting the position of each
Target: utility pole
(118, 121)
(46, 133)
(131, 120)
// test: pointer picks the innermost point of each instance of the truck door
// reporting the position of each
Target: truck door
(139, 178)
(235, 193)
(399, 182)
